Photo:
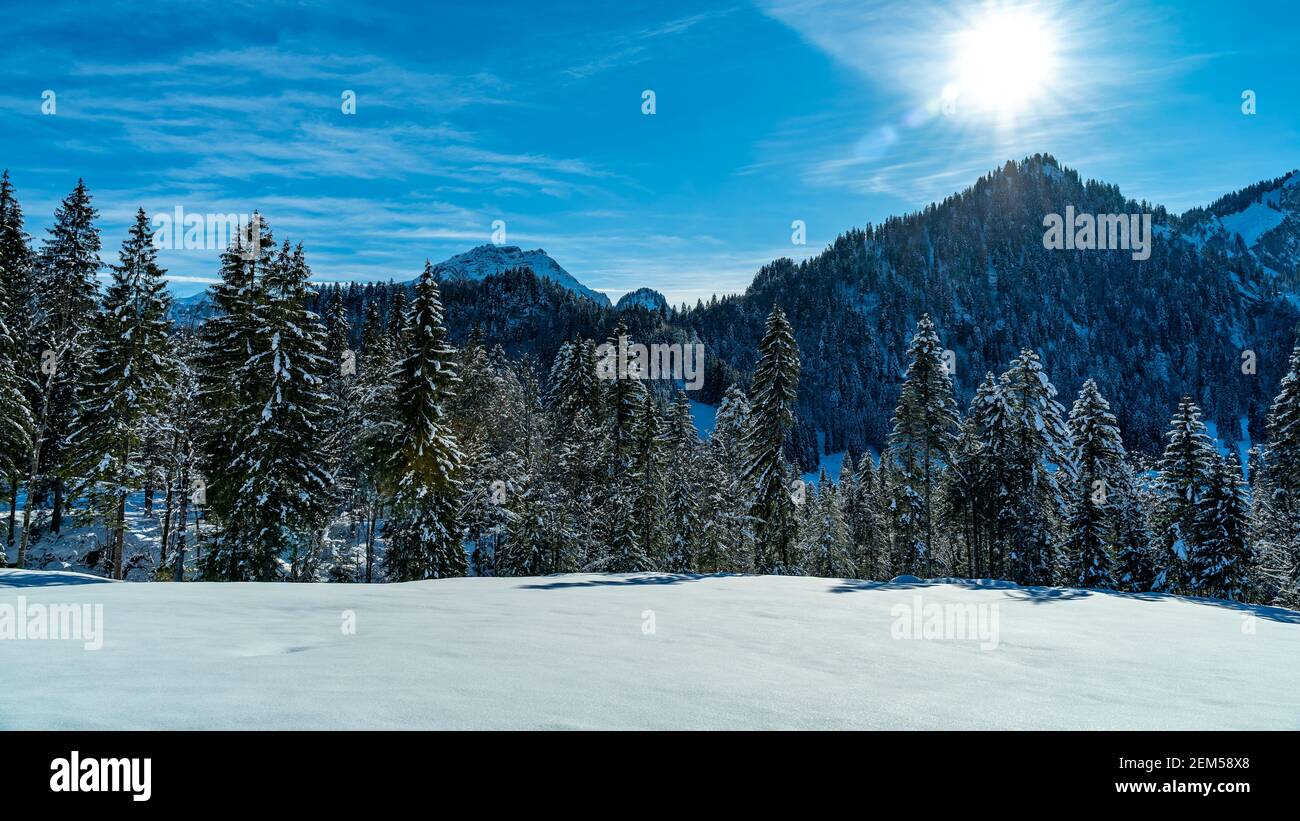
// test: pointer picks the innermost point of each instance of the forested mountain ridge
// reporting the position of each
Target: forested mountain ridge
(1148, 331)
(1220, 281)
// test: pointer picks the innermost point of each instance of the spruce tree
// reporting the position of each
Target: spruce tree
(647, 478)
(127, 383)
(1277, 499)
(920, 446)
(423, 538)
(18, 290)
(15, 416)
(1222, 563)
(282, 506)
(681, 507)
(767, 471)
(65, 298)
(1185, 471)
(1032, 444)
(1098, 457)
(228, 396)
(825, 542)
(1134, 565)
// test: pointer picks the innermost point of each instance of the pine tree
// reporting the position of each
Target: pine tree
(724, 543)
(1185, 471)
(825, 541)
(767, 470)
(1032, 445)
(373, 397)
(1098, 456)
(228, 396)
(127, 383)
(1222, 563)
(572, 381)
(15, 416)
(648, 481)
(65, 299)
(859, 494)
(1277, 498)
(682, 507)
(920, 445)
(17, 294)
(624, 394)
(1134, 566)
(423, 539)
(281, 509)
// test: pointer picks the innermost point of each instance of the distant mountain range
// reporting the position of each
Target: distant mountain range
(1220, 281)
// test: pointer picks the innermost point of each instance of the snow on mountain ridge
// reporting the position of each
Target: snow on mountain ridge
(486, 260)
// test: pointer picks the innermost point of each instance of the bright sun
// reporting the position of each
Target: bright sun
(1004, 62)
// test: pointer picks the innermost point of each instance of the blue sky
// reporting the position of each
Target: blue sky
(834, 113)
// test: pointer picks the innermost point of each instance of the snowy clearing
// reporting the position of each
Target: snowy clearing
(578, 652)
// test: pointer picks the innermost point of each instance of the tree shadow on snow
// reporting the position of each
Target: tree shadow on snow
(1047, 595)
(621, 581)
(36, 578)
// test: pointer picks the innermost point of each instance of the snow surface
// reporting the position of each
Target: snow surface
(573, 652)
(1256, 219)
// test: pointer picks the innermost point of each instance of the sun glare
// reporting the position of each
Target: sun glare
(1004, 62)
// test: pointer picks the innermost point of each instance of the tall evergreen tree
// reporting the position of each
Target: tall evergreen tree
(66, 296)
(920, 445)
(1222, 563)
(15, 416)
(1098, 456)
(281, 509)
(423, 539)
(1277, 499)
(127, 384)
(1185, 472)
(682, 506)
(1032, 444)
(648, 481)
(767, 471)
(18, 291)
(228, 394)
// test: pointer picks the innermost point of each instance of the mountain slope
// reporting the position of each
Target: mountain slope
(1148, 330)
(486, 260)
(647, 651)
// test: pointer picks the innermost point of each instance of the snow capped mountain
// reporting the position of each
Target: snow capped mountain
(647, 298)
(486, 260)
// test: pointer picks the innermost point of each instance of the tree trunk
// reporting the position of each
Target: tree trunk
(13, 507)
(56, 515)
(166, 524)
(119, 536)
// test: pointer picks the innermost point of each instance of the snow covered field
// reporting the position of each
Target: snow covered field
(643, 651)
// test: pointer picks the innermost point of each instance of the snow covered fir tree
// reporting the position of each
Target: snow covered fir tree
(429, 429)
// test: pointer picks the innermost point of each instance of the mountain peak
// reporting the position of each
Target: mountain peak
(486, 260)
(647, 298)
